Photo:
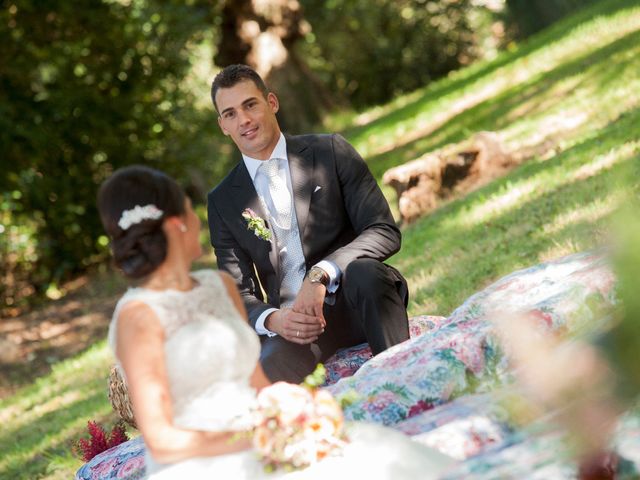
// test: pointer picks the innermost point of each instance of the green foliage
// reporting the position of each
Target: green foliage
(17, 245)
(621, 344)
(531, 16)
(316, 378)
(370, 51)
(348, 398)
(87, 87)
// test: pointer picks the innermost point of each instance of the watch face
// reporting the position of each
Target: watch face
(316, 275)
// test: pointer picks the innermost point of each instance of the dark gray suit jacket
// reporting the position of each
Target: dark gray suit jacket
(345, 219)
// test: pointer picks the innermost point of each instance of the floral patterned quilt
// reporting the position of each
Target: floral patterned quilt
(452, 372)
(462, 355)
(347, 361)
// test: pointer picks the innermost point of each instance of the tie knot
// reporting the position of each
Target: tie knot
(270, 167)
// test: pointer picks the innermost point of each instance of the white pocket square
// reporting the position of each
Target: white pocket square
(318, 187)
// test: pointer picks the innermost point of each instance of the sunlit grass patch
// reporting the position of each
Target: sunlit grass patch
(582, 78)
(541, 210)
(41, 422)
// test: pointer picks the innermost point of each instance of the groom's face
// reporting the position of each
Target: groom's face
(249, 118)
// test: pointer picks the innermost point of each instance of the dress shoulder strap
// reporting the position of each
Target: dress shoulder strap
(134, 294)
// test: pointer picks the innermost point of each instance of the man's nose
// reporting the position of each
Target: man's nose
(243, 117)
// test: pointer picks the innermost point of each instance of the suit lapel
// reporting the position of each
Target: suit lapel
(301, 166)
(244, 196)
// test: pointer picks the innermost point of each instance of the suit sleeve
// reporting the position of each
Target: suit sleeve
(378, 237)
(233, 259)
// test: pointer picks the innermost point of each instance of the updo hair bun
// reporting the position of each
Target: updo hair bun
(142, 247)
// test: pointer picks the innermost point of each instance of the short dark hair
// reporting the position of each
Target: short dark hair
(234, 74)
(139, 249)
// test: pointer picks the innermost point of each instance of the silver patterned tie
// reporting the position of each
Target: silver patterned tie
(285, 228)
(280, 195)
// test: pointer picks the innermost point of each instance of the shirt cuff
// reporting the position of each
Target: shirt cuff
(334, 273)
(260, 328)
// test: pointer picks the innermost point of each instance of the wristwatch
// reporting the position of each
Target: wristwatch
(318, 275)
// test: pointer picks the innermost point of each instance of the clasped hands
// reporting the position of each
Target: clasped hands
(304, 322)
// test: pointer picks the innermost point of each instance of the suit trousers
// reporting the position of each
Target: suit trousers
(370, 306)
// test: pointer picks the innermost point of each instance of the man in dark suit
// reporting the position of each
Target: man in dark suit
(302, 220)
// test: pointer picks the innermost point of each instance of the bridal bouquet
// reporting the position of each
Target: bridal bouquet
(296, 426)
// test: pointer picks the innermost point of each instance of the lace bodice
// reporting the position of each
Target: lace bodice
(210, 352)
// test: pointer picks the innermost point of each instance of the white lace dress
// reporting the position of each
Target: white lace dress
(210, 353)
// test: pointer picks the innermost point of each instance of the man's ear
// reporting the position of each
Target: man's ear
(221, 127)
(273, 102)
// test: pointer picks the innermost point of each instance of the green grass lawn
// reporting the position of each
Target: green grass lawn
(575, 87)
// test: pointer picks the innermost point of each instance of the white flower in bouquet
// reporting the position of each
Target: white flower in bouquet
(296, 425)
(284, 400)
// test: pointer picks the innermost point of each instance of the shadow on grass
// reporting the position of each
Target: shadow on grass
(473, 74)
(23, 442)
(41, 422)
(473, 256)
(20, 373)
(598, 69)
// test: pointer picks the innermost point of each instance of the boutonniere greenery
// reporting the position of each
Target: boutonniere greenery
(256, 224)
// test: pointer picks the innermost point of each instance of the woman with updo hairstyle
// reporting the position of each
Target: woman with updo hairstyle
(180, 338)
(189, 357)
(140, 248)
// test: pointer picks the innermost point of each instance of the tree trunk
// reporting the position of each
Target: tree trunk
(423, 183)
(263, 34)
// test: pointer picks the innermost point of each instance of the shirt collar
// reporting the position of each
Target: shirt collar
(280, 151)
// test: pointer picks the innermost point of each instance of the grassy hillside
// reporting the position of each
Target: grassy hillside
(570, 99)
(571, 95)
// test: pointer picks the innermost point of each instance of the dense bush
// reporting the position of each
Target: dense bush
(86, 87)
(371, 50)
(531, 16)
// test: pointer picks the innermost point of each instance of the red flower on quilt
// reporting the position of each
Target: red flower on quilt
(419, 407)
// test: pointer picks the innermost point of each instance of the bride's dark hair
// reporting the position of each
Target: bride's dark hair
(141, 248)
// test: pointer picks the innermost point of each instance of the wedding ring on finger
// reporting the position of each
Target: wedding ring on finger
(298, 333)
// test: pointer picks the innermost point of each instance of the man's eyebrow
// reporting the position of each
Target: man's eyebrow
(250, 99)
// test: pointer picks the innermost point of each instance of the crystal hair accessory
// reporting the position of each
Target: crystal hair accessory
(138, 214)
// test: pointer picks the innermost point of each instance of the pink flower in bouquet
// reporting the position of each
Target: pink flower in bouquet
(296, 426)
(285, 400)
